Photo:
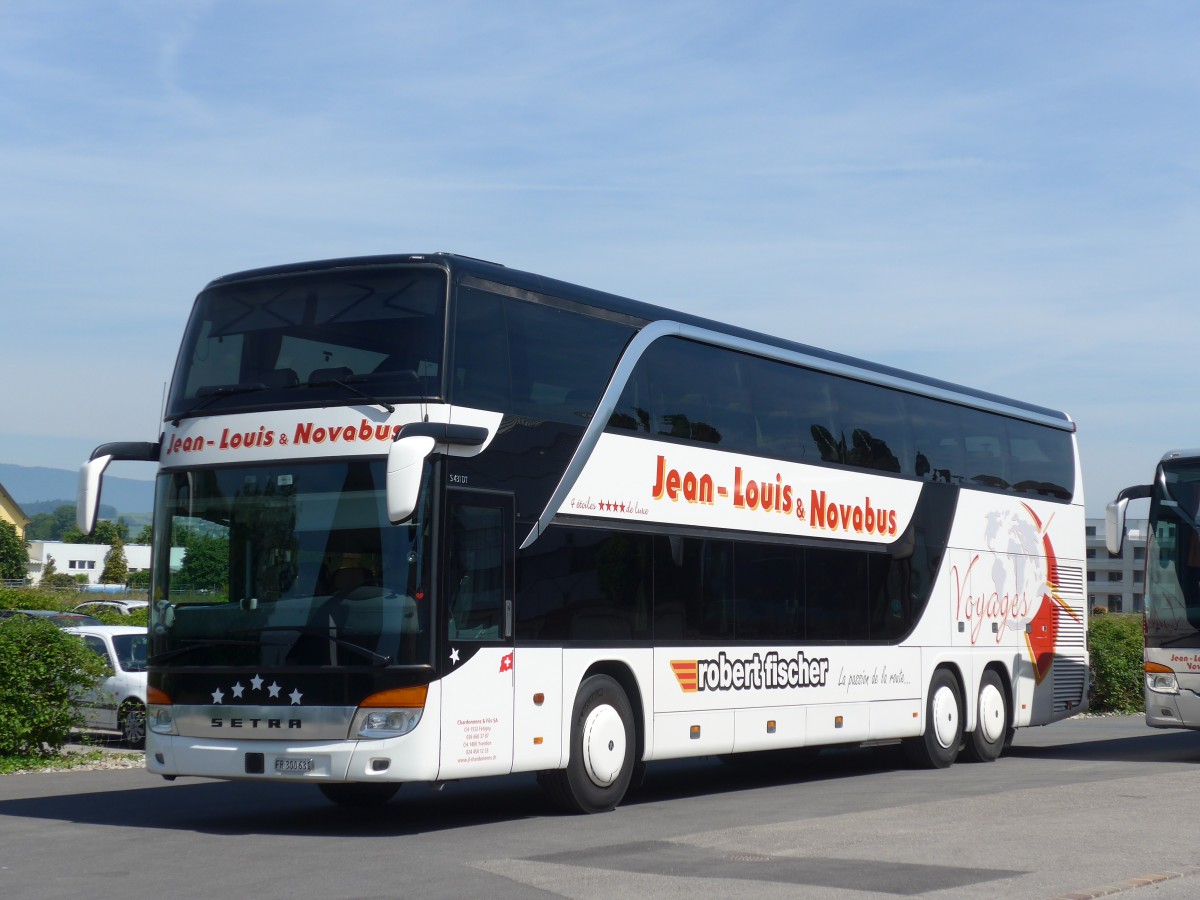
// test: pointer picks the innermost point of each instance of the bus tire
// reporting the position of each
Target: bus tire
(990, 736)
(601, 762)
(359, 795)
(938, 747)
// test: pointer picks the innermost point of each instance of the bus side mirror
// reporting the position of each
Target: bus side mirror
(1114, 525)
(1114, 516)
(405, 465)
(87, 496)
(91, 474)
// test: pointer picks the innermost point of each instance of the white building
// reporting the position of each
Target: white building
(1117, 583)
(88, 559)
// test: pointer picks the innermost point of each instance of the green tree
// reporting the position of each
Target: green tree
(105, 532)
(116, 568)
(206, 563)
(14, 553)
(51, 526)
(145, 536)
(52, 578)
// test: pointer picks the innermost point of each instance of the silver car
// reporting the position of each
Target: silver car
(118, 702)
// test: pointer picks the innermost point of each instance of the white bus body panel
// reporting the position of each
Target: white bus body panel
(477, 715)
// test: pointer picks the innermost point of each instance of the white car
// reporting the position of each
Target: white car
(124, 607)
(118, 702)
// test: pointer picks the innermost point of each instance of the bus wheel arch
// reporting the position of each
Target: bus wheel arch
(993, 718)
(937, 747)
(604, 747)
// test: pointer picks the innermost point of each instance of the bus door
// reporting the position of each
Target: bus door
(477, 646)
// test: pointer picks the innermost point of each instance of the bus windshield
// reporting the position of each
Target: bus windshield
(312, 339)
(1173, 556)
(287, 564)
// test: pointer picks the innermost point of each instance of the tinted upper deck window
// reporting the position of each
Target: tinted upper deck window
(285, 340)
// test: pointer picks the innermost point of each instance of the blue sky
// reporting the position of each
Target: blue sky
(1003, 195)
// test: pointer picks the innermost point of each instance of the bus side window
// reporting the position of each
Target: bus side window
(477, 572)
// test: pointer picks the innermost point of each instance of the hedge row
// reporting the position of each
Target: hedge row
(1116, 642)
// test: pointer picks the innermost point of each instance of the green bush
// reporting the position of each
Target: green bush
(42, 668)
(1116, 642)
(36, 598)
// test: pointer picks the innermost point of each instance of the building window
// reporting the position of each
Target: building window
(1091, 575)
(1139, 552)
(1114, 576)
(1114, 602)
(1091, 554)
(1137, 602)
(1139, 577)
(1091, 530)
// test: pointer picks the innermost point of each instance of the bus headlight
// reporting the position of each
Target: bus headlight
(1161, 679)
(160, 720)
(389, 714)
(160, 715)
(374, 724)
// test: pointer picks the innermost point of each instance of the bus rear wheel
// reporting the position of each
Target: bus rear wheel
(990, 736)
(358, 795)
(601, 762)
(938, 747)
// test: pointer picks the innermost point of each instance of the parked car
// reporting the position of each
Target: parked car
(118, 702)
(57, 617)
(124, 607)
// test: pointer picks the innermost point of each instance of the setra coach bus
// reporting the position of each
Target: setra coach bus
(466, 520)
(1171, 614)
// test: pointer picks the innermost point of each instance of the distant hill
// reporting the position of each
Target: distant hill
(33, 486)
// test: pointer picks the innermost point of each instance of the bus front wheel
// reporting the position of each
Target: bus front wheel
(990, 736)
(938, 747)
(601, 761)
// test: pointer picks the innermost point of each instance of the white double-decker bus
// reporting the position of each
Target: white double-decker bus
(1171, 613)
(445, 519)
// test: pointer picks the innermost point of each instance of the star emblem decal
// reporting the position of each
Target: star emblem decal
(274, 689)
(238, 689)
(218, 695)
(454, 655)
(256, 683)
(295, 695)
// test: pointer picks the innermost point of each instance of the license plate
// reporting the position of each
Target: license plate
(293, 765)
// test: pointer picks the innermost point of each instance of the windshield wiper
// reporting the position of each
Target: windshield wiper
(377, 659)
(333, 382)
(196, 644)
(206, 396)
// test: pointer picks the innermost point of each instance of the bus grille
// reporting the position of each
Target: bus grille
(1070, 683)
(1072, 629)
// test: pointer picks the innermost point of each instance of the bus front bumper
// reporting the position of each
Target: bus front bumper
(390, 760)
